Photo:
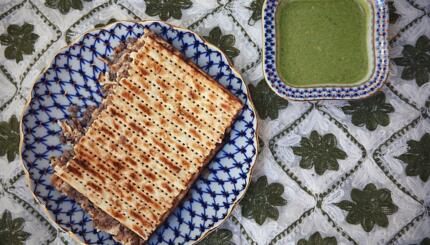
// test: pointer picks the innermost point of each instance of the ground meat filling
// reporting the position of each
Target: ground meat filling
(74, 128)
(102, 221)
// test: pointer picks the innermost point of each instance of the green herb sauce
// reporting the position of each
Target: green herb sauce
(323, 42)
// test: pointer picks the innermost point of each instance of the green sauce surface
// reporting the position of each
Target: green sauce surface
(323, 42)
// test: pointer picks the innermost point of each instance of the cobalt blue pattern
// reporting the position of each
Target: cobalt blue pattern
(365, 89)
(71, 79)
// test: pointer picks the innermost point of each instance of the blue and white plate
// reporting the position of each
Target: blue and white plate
(379, 25)
(71, 79)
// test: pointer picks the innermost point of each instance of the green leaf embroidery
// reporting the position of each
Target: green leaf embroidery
(256, 8)
(11, 230)
(317, 239)
(417, 158)
(9, 138)
(369, 112)
(427, 104)
(110, 21)
(64, 6)
(368, 207)
(267, 103)
(416, 61)
(167, 8)
(224, 42)
(320, 152)
(19, 40)
(425, 241)
(392, 12)
(260, 200)
(260, 145)
(218, 237)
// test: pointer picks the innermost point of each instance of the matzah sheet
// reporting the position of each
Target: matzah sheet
(160, 125)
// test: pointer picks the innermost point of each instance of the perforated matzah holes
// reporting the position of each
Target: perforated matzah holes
(161, 123)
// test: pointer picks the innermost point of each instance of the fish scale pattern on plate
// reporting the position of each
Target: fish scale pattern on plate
(71, 79)
(132, 162)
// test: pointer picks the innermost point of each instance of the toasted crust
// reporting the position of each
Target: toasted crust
(160, 124)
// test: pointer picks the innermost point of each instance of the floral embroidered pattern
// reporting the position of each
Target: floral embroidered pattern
(64, 6)
(416, 61)
(369, 112)
(167, 8)
(260, 200)
(393, 12)
(218, 237)
(417, 158)
(11, 230)
(224, 42)
(256, 8)
(260, 145)
(267, 103)
(427, 105)
(317, 239)
(320, 152)
(110, 21)
(369, 206)
(19, 40)
(425, 241)
(9, 138)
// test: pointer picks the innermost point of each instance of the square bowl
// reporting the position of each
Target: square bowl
(377, 44)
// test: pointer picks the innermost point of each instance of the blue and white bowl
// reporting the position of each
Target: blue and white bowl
(379, 41)
(71, 79)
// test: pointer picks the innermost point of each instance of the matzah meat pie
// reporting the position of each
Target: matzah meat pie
(135, 157)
